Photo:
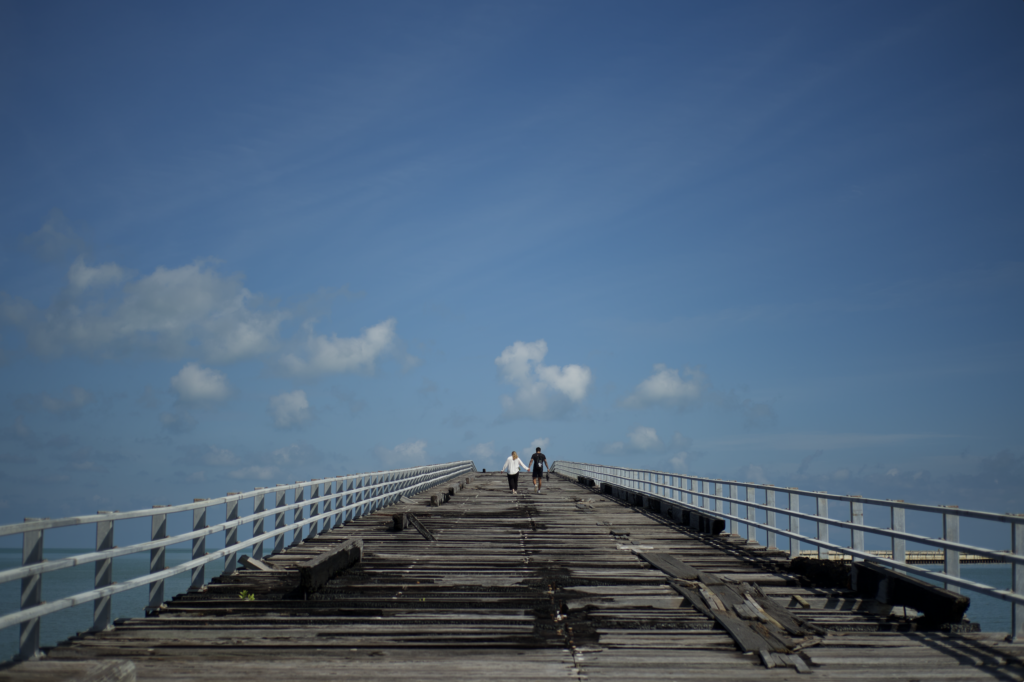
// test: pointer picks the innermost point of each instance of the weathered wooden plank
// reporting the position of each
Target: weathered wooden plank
(70, 671)
(791, 623)
(315, 573)
(528, 587)
(670, 565)
(415, 523)
(253, 564)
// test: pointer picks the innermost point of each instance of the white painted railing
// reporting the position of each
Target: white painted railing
(724, 500)
(330, 501)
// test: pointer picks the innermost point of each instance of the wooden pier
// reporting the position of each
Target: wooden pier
(567, 584)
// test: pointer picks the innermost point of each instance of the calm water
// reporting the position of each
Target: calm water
(59, 584)
(992, 614)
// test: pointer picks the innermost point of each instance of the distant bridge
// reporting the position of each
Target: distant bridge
(608, 572)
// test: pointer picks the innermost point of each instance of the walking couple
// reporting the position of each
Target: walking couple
(513, 465)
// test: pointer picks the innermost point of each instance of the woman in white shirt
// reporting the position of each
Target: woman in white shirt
(512, 466)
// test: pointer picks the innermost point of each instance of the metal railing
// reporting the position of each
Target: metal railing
(332, 501)
(724, 500)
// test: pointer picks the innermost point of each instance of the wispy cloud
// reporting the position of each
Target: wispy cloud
(666, 387)
(810, 442)
(54, 239)
(332, 354)
(403, 455)
(290, 409)
(171, 311)
(70, 406)
(82, 277)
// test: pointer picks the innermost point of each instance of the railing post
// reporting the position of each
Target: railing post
(1017, 582)
(258, 505)
(822, 526)
(346, 500)
(281, 497)
(899, 524)
(733, 508)
(314, 509)
(330, 505)
(103, 574)
(198, 546)
(719, 504)
(951, 557)
(299, 514)
(751, 514)
(794, 524)
(856, 537)
(357, 498)
(31, 592)
(769, 501)
(231, 534)
(157, 557)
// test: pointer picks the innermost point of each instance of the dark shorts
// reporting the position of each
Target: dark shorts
(538, 472)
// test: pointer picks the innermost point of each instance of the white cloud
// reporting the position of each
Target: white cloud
(220, 457)
(482, 454)
(483, 450)
(645, 438)
(331, 355)
(680, 462)
(641, 439)
(541, 443)
(403, 455)
(616, 448)
(752, 473)
(290, 409)
(82, 277)
(197, 384)
(543, 390)
(665, 387)
(260, 473)
(172, 311)
(295, 455)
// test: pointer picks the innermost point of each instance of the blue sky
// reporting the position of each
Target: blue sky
(254, 243)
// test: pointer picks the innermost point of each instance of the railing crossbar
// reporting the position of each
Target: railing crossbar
(706, 496)
(81, 559)
(1001, 555)
(342, 499)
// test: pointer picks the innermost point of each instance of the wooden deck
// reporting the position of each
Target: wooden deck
(534, 587)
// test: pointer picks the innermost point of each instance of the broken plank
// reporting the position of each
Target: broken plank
(420, 527)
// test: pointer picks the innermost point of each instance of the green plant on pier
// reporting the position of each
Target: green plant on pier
(247, 595)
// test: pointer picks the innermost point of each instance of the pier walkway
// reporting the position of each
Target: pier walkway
(569, 584)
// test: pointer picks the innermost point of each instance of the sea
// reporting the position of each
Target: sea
(993, 615)
(69, 581)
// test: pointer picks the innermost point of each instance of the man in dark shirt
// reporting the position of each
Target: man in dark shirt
(537, 463)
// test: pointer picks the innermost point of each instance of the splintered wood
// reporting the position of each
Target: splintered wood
(567, 584)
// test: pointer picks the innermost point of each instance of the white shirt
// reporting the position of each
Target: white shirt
(513, 466)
